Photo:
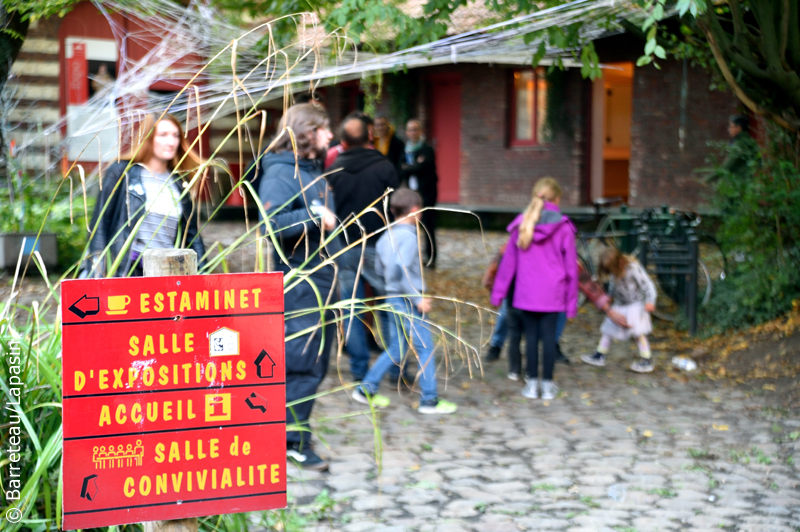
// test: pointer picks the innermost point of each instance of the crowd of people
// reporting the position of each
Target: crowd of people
(325, 206)
(332, 226)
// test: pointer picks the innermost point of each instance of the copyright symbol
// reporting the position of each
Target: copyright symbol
(13, 515)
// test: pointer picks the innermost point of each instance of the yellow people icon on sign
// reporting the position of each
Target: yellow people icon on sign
(218, 407)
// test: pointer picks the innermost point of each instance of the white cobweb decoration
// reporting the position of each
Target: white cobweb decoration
(226, 70)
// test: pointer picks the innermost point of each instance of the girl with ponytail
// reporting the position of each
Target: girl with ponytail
(539, 272)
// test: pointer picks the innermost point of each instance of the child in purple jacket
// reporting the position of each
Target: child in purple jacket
(541, 260)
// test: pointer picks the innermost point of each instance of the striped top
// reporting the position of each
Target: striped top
(163, 211)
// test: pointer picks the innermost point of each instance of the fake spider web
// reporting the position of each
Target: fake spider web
(227, 70)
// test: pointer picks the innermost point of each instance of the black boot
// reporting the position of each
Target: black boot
(560, 356)
(492, 354)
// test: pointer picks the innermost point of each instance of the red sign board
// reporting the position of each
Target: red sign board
(174, 397)
(77, 75)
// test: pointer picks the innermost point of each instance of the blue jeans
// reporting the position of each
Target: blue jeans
(407, 321)
(560, 324)
(500, 327)
(357, 340)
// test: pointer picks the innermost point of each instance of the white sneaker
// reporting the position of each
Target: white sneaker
(549, 390)
(513, 376)
(597, 359)
(531, 389)
(643, 365)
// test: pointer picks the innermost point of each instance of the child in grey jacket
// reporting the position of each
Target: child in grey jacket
(398, 262)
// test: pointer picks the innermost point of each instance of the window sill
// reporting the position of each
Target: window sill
(528, 147)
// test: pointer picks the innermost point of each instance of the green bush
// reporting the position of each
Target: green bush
(27, 211)
(760, 234)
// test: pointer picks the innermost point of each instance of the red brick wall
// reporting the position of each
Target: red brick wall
(494, 174)
(660, 171)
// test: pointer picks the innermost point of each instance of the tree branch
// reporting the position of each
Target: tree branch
(793, 23)
(738, 21)
(728, 75)
(764, 12)
(784, 31)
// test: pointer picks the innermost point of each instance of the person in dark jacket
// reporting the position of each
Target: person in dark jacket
(418, 172)
(146, 193)
(339, 148)
(300, 213)
(358, 178)
(743, 151)
(387, 142)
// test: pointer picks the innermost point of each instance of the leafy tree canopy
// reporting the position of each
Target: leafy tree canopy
(754, 45)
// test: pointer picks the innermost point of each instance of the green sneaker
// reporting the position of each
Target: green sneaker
(437, 406)
(377, 400)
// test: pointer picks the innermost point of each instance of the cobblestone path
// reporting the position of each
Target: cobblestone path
(616, 451)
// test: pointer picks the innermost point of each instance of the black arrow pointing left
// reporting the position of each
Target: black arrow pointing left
(85, 306)
(89, 488)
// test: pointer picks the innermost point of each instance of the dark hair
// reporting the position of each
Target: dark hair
(403, 200)
(308, 97)
(354, 133)
(303, 119)
(741, 121)
(361, 115)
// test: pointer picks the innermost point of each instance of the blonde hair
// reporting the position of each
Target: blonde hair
(614, 262)
(546, 189)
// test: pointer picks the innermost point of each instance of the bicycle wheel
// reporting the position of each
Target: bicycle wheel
(669, 289)
(619, 229)
(711, 253)
(704, 284)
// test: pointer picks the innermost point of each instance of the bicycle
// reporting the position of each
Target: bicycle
(664, 231)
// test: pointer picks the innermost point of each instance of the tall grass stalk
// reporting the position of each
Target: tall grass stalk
(36, 329)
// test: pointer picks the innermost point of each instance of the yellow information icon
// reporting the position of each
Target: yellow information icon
(218, 407)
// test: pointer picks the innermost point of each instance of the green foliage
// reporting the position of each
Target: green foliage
(760, 231)
(657, 11)
(37, 9)
(557, 118)
(402, 89)
(372, 87)
(39, 205)
(384, 26)
(700, 454)
(664, 493)
(32, 412)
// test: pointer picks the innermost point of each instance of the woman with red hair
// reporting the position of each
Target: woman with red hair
(144, 202)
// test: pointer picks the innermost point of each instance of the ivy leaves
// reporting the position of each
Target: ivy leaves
(657, 9)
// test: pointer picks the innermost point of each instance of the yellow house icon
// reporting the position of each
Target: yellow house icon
(223, 342)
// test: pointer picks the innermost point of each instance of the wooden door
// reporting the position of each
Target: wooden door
(445, 133)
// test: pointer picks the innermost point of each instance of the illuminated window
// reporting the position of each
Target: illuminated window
(528, 107)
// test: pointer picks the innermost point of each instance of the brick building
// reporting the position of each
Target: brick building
(639, 133)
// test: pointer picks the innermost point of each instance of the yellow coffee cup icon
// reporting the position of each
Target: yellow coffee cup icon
(117, 304)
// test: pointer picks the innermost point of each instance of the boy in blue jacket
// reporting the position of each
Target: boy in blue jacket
(398, 262)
